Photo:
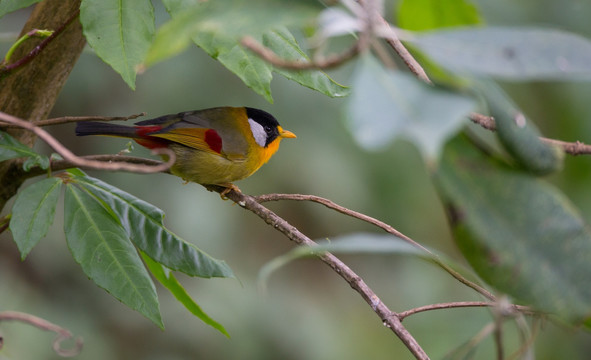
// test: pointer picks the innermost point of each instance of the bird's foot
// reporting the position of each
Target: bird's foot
(229, 187)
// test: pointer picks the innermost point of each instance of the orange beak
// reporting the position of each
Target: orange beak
(285, 133)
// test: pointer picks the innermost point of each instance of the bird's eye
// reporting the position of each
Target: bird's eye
(268, 129)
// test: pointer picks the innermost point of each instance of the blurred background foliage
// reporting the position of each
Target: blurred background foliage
(308, 312)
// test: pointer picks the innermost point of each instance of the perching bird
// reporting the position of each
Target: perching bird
(214, 146)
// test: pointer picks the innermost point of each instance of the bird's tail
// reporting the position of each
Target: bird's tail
(84, 128)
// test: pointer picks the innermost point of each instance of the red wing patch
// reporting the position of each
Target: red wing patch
(213, 139)
(197, 138)
(146, 130)
(149, 141)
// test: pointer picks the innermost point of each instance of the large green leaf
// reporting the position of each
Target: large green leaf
(521, 235)
(224, 18)
(387, 104)
(509, 53)
(143, 222)
(216, 27)
(284, 44)
(167, 279)
(120, 32)
(10, 148)
(32, 213)
(432, 14)
(8, 6)
(101, 246)
(251, 69)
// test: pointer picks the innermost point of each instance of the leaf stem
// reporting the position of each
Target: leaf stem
(7, 68)
(33, 33)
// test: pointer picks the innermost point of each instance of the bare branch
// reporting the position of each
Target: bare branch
(462, 304)
(498, 338)
(527, 340)
(572, 148)
(382, 225)
(389, 318)
(329, 62)
(393, 40)
(472, 343)
(89, 163)
(70, 119)
(57, 165)
(367, 11)
(62, 334)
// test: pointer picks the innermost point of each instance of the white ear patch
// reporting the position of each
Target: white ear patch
(258, 132)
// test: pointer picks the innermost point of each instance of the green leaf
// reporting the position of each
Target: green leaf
(143, 222)
(420, 15)
(520, 234)
(33, 212)
(217, 29)
(518, 54)
(167, 279)
(120, 32)
(101, 246)
(519, 135)
(10, 148)
(283, 43)
(8, 6)
(387, 104)
(251, 69)
(228, 18)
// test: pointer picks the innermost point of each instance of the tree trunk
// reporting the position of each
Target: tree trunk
(31, 91)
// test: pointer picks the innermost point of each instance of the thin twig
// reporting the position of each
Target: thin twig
(392, 39)
(57, 165)
(527, 341)
(62, 334)
(271, 57)
(459, 304)
(498, 337)
(71, 119)
(572, 148)
(89, 163)
(475, 340)
(368, 11)
(330, 204)
(388, 317)
(487, 122)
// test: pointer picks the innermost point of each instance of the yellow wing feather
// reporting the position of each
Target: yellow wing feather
(191, 137)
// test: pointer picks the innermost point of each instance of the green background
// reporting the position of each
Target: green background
(308, 312)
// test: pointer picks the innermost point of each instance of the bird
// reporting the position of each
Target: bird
(213, 147)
